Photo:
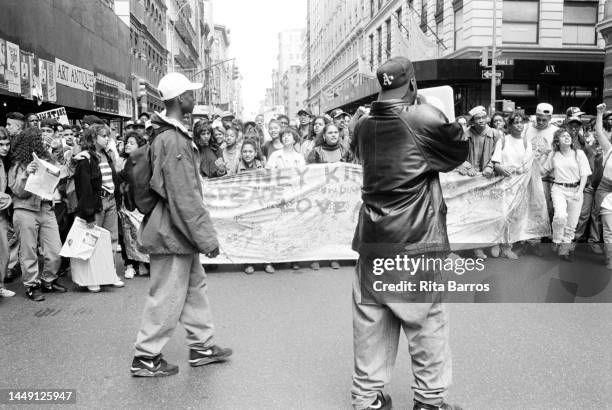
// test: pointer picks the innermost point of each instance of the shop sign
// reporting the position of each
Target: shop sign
(73, 76)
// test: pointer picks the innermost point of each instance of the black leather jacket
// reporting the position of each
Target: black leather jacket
(402, 149)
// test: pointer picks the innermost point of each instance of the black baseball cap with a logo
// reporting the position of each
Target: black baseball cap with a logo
(394, 77)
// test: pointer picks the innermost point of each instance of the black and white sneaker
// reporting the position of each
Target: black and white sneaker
(382, 402)
(444, 406)
(146, 366)
(212, 354)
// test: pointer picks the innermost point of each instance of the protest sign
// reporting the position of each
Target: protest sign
(13, 67)
(3, 60)
(37, 92)
(442, 98)
(26, 86)
(58, 113)
(44, 78)
(51, 88)
(44, 181)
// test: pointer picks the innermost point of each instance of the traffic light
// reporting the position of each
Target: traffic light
(142, 88)
(236, 73)
(484, 57)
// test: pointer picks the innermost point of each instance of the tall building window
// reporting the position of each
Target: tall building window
(521, 21)
(579, 19)
(372, 52)
(372, 8)
(458, 30)
(388, 27)
(398, 14)
(424, 16)
(379, 38)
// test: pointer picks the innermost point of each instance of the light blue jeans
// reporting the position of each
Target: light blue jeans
(376, 330)
(37, 229)
(177, 294)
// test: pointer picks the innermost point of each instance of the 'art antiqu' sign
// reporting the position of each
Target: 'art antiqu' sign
(73, 76)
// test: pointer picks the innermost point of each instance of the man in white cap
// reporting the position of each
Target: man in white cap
(540, 135)
(174, 234)
(482, 140)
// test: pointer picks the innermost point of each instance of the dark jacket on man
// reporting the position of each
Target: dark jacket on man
(179, 224)
(403, 148)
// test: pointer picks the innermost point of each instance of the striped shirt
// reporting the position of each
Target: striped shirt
(107, 176)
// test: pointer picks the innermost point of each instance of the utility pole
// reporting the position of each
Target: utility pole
(494, 61)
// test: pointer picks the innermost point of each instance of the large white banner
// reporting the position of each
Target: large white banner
(73, 76)
(311, 214)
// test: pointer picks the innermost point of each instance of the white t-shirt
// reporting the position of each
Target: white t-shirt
(514, 153)
(281, 159)
(568, 168)
(541, 140)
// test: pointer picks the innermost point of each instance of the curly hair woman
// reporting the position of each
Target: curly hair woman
(34, 220)
(97, 186)
(571, 169)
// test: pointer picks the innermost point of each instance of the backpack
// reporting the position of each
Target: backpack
(138, 171)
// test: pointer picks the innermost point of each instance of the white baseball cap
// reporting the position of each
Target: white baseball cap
(544, 108)
(174, 84)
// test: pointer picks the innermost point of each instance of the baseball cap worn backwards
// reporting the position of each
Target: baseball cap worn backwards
(573, 111)
(394, 77)
(174, 84)
(544, 108)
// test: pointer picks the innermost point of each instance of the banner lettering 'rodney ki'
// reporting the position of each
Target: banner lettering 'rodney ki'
(311, 214)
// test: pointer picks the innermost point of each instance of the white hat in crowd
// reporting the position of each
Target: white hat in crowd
(174, 84)
(480, 110)
(544, 108)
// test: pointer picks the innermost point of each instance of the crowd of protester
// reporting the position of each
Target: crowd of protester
(572, 158)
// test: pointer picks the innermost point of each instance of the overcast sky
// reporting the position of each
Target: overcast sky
(254, 27)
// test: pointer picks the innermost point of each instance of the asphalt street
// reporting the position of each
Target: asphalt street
(292, 337)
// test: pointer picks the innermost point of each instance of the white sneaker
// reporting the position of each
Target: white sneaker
(129, 272)
(94, 289)
(495, 251)
(479, 253)
(5, 293)
(119, 284)
(509, 254)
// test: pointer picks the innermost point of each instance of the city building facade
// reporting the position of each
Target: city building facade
(292, 90)
(55, 56)
(148, 53)
(548, 50)
(222, 70)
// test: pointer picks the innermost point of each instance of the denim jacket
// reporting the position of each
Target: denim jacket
(22, 199)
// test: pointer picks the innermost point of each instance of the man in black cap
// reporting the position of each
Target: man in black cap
(403, 146)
